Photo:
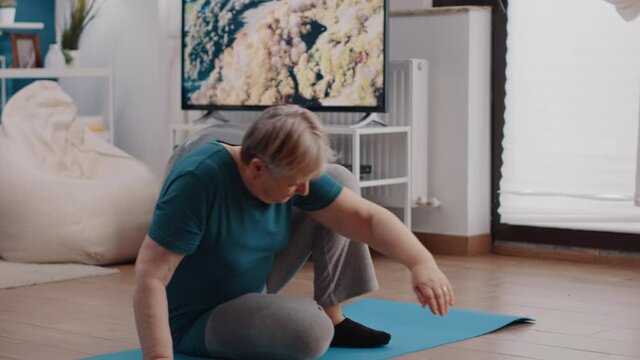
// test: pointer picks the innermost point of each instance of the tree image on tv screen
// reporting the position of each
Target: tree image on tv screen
(260, 53)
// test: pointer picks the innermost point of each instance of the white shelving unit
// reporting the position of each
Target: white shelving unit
(36, 73)
(186, 129)
(356, 134)
(45, 73)
(21, 26)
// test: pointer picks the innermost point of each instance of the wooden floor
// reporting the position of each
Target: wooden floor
(583, 311)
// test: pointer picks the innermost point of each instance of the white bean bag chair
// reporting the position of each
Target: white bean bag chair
(66, 195)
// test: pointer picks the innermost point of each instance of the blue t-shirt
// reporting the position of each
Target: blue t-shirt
(229, 236)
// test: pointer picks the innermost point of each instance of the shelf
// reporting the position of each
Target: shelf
(334, 130)
(355, 158)
(418, 11)
(38, 73)
(191, 126)
(346, 130)
(383, 182)
(22, 26)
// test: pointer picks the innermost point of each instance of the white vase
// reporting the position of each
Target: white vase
(54, 58)
(7, 15)
(75, 58)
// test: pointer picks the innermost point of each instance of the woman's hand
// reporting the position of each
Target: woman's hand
(432, 288)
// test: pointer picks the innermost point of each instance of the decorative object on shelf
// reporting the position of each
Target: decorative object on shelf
(54, 58)
(81, 13)
(25, 49)
(95, 124)
(72, 58)
(7, 11)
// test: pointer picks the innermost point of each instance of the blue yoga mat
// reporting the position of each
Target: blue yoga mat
(412, 329)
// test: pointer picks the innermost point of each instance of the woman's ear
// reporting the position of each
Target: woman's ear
(256, 168)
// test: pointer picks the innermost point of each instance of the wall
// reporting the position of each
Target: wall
(457, 44)
(479, 124)
(126, 35)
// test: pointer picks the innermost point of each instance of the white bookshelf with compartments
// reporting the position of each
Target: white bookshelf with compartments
(375, 169)
(104, 127)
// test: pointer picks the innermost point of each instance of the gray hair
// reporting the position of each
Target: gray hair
(289, 139)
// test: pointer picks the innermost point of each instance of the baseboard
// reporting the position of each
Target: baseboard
(482, 245)
(456, 245)
(552, 252)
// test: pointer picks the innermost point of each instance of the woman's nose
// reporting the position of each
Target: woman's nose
(303, 189)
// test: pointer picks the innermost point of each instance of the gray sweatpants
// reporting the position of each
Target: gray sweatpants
(276, 326)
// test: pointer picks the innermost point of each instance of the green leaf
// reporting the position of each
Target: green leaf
(80, 15)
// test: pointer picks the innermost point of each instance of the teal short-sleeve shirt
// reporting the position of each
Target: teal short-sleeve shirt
(229, 236)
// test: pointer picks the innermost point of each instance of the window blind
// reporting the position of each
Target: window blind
(571, 116)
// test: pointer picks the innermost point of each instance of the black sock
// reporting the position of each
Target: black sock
(349, 333)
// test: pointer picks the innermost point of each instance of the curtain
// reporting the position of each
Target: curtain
(571, 118)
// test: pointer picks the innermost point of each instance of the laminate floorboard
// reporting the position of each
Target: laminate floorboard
(583, 311)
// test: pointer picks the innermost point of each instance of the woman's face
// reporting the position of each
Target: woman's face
(279, 188)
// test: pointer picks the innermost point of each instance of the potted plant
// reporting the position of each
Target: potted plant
(81, 13)
(7, 11)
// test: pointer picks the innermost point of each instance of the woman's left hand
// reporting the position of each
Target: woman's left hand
(432, 288)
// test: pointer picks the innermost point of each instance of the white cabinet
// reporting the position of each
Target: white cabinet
(457, 43)
(45, 73)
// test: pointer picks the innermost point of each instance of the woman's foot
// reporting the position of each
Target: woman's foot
(349, 333)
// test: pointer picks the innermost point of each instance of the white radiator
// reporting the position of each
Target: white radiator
(407, 94)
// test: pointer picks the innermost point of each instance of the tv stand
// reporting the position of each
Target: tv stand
(368, 118)
(213, 116)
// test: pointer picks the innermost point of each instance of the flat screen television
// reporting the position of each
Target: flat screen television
(327, 55)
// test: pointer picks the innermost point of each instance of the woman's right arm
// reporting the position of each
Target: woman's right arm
(153, 270)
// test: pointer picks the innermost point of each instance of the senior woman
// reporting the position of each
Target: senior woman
(231, 227)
